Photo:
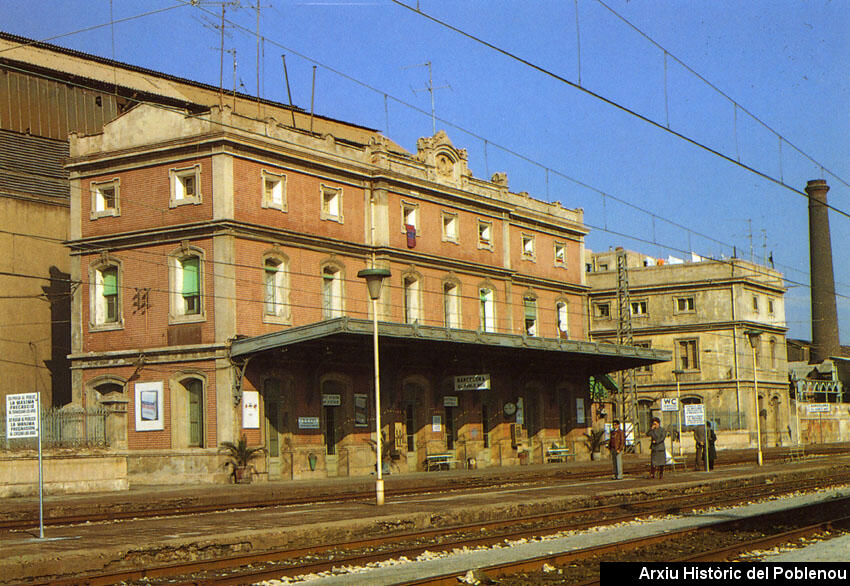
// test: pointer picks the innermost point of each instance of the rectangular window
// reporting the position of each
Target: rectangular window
(105, 199)
(450, 230)
(110, 294)
(487, 313)
(409, 216)
(274, 190)
(191, 289)
(770, 308)
(684, 304)
(331, 203)
(560, 254)
(485, 234)
(451, 300)
(530, 310)
(527, 246)
(602, 310)
(603, 267)
(331, 293)
(639, 307)
(756, 303)
(688, 354)
(411, 300)
(185, 186)
(563, 321)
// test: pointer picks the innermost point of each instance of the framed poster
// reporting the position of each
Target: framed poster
(361, 413)
(149, 406)
(250, 410)
(580, 415)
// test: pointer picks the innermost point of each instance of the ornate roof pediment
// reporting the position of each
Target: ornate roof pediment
(444, 163)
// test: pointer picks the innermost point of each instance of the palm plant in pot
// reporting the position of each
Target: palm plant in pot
(238, 456)
(594, 440)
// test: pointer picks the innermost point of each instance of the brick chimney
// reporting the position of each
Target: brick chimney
(824, 315)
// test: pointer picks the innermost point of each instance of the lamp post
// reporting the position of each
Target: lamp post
(676, 373)
(753, 336)
(374, 279)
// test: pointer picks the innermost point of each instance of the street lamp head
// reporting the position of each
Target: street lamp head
(678, 371)
(753, 336)
(374, 278)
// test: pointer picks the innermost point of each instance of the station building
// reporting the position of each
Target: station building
(218, 256)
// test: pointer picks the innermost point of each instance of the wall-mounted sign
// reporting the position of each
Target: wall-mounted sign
(472, 382)
(670, 404)
(250, 410)
(436, 423)
(361, 412)
(149, 402)
(695, 414)
(22, 415)
(817, 408)
(331, 400)
(450, 401)
(308, 423)
(580, 415)
(520, 412)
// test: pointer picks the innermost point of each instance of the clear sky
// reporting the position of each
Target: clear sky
(783, 62)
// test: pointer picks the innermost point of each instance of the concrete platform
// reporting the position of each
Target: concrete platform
(104, 546)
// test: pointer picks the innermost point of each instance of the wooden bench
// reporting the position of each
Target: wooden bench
(558, 454)
(440, 461)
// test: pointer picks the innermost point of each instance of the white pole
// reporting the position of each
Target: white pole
(756, 412)
(679, 418)
(40, 470)
(379, 483)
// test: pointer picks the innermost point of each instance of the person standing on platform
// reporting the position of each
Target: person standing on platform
(699, 442)
(657, 449)
(712, 451)
(617, 443)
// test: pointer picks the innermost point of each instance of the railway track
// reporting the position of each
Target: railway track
(321, 558)
(177, 507)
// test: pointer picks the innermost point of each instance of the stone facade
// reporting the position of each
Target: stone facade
(701, 311)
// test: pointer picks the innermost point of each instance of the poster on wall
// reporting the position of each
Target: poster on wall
(250, 410)
(149, 405)
(436, 423)
(579, 410)
(361, 415)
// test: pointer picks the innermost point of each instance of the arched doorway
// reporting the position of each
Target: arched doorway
(277, 433)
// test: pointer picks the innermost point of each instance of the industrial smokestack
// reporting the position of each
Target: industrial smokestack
(824, 315)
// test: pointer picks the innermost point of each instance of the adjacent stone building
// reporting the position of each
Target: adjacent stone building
(702, 311)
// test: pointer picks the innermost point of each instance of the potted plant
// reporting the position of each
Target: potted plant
(238, 456)
(594, 440)
(386, 452)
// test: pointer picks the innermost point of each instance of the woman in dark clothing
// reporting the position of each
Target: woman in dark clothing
(657, 451)
(712, 451)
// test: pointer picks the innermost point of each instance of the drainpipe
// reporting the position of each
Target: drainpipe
(735, 355)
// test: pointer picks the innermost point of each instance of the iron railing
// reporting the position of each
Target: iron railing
(61, 428)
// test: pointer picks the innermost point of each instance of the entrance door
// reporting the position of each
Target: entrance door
(276, 428)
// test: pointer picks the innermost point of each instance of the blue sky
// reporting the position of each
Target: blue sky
(785, 62)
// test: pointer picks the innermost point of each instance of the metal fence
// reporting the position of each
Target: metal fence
(61, 428)
(720, 419)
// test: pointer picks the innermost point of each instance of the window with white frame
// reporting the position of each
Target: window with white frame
(451, 304)
(331, 292)
(409, 216)
(331, 203)
(274, 190)
(560, 254)
(185, 186)
(105, 297)
(770, 306)
(276, 290)
(450, 229)
(755, 303)
(485, 234)
(487, 309)
(412, 308)
(186, 278)
(562, 317)
(639, 307)
(105, 198)
(529, 305)
(189, 284)
(527, 246)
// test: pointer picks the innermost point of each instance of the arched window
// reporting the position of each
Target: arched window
(562, 319)
(451, 304)
(412, 301)
(195, 403)
(186, 268)
(332, 293)
(487, 309)
(276, 289)
(105, 288)
(529, 304)
(644, 415)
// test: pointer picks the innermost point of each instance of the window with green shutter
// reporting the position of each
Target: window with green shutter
(110, 294)
(191, 289)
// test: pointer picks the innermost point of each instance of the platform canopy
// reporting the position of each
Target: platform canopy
(592, 357)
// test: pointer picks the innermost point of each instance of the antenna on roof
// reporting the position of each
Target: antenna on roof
(430, 89)
(220, 27)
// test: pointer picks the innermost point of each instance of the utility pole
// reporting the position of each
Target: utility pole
(625, 336)
(430, 89)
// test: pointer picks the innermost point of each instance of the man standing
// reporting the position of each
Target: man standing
(699, 443)
(657, 450)
(617, 443)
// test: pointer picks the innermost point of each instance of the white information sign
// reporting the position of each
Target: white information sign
(436, 423)
(450, 401)
(331, 400)
(250, 410)
(695, 414)
(308, 423)
(22, 415)
(670, 404)
(472, 382)
(817, 408)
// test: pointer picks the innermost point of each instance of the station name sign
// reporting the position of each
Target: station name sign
(472, 382)
(817, 408)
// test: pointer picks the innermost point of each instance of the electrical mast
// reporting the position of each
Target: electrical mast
(628, 389)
